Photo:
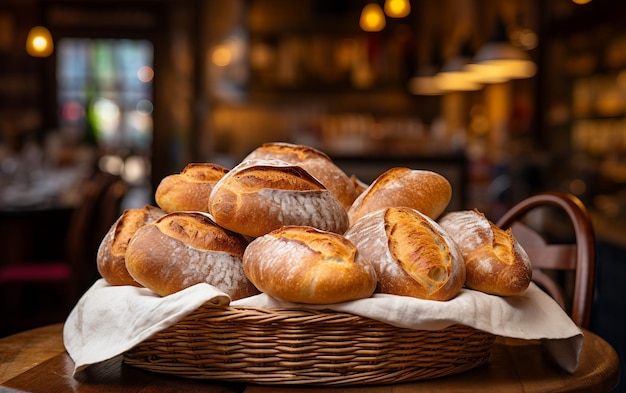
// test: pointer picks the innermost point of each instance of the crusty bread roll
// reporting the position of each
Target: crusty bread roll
(182, 249)
(259, 196)
(315, 162)
(495, 262)
(412, 255)
(425, 191)
(111, 259)
(306, 265)
(189, 189)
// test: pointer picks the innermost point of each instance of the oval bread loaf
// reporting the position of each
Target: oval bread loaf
(496, 263)
(189, 189)
(111, 257)
(182, 249)
(259, 196)
(412, 255)
(306, 265)
(425, 191)
(313, 161)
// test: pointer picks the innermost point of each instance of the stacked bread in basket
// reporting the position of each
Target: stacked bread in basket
(289, 223)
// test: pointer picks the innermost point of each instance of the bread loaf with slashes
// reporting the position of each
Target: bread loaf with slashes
(182, 249)
(495, 261)
(411, 253)
(306, 265)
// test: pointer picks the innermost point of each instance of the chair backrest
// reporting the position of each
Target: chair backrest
(109, 210)
(98, 209)
(578, 258)
(83, 218)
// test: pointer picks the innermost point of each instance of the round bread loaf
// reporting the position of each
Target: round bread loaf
(412, 255)
(111, 257)
(315, 162)
(425, 191)
(259, 196)
(182, 249)
(306, 265)
(495, 262)
(189, 189)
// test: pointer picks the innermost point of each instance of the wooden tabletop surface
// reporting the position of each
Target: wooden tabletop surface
(36, 361)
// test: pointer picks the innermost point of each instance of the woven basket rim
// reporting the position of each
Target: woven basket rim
(302, 346)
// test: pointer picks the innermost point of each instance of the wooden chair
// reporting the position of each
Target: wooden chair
(578, 258)
(69, 277)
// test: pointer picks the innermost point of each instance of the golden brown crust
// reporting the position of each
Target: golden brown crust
(315, 162)
(189, 190)
(495, 262)
(306, 265)
(186, 248)
(425, 191)
(110, 259)
(199, 231)
(259, 196)
(287, 152)
(411, 254)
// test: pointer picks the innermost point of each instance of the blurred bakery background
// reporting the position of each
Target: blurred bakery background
(101, 99)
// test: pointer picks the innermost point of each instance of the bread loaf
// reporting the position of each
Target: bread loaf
(313, 161)
(259, 196)
(111, 257)
(496, 263)
(306, 265)
(410, 252)
(189, 189)
(425, 191)
(182, 249)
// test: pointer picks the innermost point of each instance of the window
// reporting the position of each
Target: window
(105, 94)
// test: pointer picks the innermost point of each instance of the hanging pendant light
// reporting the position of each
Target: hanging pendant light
(499, 60)
(397, 8)
(423, 82)
(39, 42)
(372, 18)
(454, 76)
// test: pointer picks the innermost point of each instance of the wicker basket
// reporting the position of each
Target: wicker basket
(306, 347)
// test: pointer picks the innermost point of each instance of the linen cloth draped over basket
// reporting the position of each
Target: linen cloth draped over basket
(108, 321)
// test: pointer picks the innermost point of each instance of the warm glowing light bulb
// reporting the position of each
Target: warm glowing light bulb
(397, 8)
(580, 2)
(372, 18)
(39, 42)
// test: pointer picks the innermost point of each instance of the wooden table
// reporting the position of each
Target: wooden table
(36, 361)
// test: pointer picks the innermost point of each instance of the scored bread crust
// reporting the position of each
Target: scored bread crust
(410, 252)
(110, 259)
(182, 249)
(259, 196)
(305, 265)
(496, 263)
(313, 161)
(422, 190)
(189, 190)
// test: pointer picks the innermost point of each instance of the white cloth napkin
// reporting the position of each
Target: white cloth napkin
(107, 321)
